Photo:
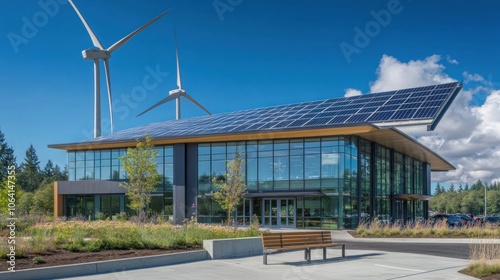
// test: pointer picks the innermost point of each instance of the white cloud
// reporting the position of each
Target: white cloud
(468, 136)
(451, 60)
(472, 77)
(475, 78)
(352, 92)
(393, 74)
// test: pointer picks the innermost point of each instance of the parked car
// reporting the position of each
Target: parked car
(466, 219)
(451, 220)
(491, 220)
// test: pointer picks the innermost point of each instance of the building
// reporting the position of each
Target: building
(322, 164)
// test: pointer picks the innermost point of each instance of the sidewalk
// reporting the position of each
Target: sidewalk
(343, 235)
(358, 264)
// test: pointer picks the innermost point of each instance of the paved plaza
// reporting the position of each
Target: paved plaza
(358, 264)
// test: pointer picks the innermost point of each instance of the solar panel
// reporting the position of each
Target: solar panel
(413, 104)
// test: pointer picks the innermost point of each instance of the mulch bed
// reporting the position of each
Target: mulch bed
(62, 257)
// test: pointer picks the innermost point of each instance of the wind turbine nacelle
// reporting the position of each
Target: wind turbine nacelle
(92, 54)
(174, 91)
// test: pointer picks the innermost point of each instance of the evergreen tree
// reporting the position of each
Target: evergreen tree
(460, 189)
(477, 186)
(60, 175)
(466, 188)
(7, 157)
(438, 189)
(452, 188)
(48, 170)
(30, 176)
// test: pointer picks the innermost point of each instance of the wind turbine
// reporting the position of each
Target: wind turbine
(101, 53)
(176, 93)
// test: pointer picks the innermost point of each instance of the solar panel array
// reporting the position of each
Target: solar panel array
(411, 104)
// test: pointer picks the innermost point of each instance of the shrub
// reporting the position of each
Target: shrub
(38, 260)
(485, 257)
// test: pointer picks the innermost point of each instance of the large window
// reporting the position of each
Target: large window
(312, 168)
(357, 177)
(365, 179)
(399, 181)
(106, 165)
(281, 165)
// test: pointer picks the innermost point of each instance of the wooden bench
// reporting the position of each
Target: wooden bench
(298, 240)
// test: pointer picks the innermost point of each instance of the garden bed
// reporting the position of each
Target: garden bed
(62, 257)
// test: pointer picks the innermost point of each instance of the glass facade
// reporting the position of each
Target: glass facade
(329, 182)
(323, 182)
(105, 165)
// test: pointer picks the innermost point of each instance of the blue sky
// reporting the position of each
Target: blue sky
(241, 54)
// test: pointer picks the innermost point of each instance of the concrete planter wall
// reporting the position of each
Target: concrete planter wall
(214, 249)
(93, 268)
(233, 248)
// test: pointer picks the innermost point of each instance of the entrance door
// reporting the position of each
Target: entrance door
(279, 212)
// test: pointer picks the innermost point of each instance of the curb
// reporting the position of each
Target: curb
(92, 268)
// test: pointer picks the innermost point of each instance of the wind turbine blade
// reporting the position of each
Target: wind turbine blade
(94, 38)
(179, 81)
(196, 103)
(110, 97)
(167, 99)
(129, 36)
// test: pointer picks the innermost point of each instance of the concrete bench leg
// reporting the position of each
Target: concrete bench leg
(265, 258)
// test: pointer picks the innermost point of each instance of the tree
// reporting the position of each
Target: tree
(452, 188)
(7, 157)
(140, 165)
(30, 176)
(477, 186)
(231, 189)
(48, 170)
(438, 190)
(24, 202)
(4, 197)
(43, 200)
(58, 175)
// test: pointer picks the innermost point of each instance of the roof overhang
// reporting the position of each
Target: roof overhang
(389, 137)
(412, 197)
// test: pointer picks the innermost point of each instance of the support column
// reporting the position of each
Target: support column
(179, 188)
(58, 202)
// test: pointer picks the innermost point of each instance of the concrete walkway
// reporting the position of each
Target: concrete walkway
(358, 264)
